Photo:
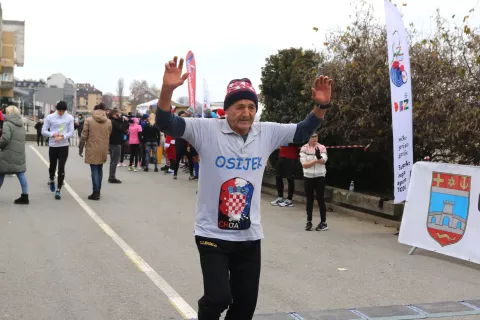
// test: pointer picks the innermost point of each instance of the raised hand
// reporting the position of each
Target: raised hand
(173, 78)
(322, 90)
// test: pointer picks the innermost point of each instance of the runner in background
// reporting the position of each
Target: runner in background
(59, 127)
(313, 157)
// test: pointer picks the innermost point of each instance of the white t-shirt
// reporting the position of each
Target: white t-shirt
(231, 173)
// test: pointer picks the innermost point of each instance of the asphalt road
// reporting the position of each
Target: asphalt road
(56, 262)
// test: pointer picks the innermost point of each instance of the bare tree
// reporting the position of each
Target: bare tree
(107, 99)
(120, 88)
(142, 92)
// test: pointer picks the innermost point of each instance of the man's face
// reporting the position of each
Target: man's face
(241, 115)
(61, 112)
(183, 115)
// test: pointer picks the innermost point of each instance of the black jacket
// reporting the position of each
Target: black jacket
(119, 129)
(39, 127)
(150, 134)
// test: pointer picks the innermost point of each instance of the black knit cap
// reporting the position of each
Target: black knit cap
(62, 106)
(239, 89)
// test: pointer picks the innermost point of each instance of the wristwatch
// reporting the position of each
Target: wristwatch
(324, 106)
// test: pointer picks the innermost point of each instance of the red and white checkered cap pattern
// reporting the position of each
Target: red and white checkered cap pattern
(236, 203)
(240, 85)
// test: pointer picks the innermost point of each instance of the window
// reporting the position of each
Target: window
(7, 77)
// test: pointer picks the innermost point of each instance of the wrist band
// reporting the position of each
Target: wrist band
(324, 106)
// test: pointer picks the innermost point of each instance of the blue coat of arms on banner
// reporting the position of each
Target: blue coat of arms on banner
(449, 205)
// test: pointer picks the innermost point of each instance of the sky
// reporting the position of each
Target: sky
(98, 41)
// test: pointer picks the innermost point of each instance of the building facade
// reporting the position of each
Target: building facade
(87, 96)
(12, 44)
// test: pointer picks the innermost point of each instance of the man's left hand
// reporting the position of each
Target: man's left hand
(322, 90)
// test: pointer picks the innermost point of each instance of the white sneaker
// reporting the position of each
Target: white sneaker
(119, 165)
(277, 201)
(286, 203)
(123, 164)
(135, 169)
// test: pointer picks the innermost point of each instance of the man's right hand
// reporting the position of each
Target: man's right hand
(173, 78)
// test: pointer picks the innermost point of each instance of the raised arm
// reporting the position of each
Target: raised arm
(321, 94)
(166, 121)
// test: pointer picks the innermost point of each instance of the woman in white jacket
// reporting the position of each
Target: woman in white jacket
(313, 157)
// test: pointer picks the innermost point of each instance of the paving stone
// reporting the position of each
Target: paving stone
(393, 312)
(276, 316)
(442, 307)
(339, 314)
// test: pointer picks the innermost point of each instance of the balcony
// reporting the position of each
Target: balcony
(7, 80)
(6, 84)
(7, 63)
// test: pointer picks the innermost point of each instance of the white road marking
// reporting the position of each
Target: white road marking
(175, 299)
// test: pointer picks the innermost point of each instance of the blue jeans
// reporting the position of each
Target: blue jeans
(151, 146)
(21, 177)
(97, 176)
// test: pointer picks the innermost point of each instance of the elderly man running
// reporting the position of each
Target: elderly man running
(234, 153)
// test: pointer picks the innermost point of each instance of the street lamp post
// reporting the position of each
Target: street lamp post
(33, 105)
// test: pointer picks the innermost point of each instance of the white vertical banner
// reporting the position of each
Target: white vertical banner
(206, 97)
(401, 91)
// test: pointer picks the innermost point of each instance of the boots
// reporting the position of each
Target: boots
(22, 200)
(94, 196)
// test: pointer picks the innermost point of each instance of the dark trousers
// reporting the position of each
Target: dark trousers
(181, 151)
(231, 276)
(280, 186)
(122, 154)
(115, 153)
(58, 155)
(151, 147)
(317, 186)
(39, 139)
(141, 152)
(134, 154)
(172, 164)
(97, 176)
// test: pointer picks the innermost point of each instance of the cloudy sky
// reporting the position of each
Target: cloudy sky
(98, 41)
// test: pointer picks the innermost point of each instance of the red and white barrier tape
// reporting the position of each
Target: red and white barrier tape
(346, 147)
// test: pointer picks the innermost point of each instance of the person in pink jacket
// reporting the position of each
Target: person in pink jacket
(135, 132)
